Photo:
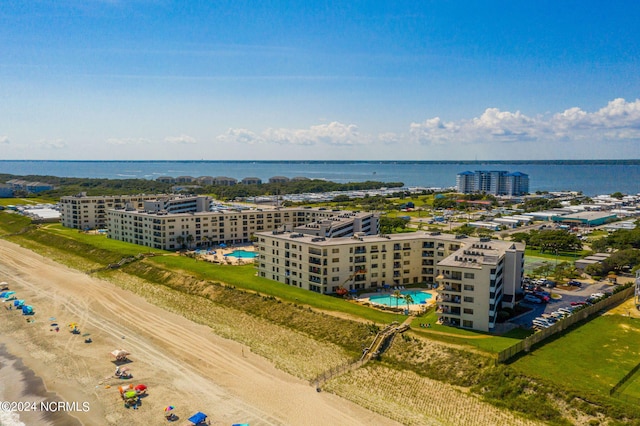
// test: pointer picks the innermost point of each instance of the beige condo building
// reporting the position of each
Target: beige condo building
(474, 277)
(90, 212)
(171, 231)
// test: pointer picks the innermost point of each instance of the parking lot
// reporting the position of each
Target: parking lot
(565, 299)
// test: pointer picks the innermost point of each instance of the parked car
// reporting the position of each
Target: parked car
(574, 283)
(531, 299)
(541, 322)
(549, 283)
(542, 296)
(567, 311)
(578, 303)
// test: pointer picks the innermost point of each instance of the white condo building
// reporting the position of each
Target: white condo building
(496, 182)
(474, 276)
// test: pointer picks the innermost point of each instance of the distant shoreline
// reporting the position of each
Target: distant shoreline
(554, 162)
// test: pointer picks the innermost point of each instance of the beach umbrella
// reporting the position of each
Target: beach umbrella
(168, 408)
(141, 388)
(130, 394)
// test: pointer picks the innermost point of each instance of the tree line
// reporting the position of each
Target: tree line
(95, 186)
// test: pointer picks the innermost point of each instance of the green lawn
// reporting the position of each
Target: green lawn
(244, 277)
(592, 358)
(562, 256)
(485, 342)
(100, 241)
(27, 201)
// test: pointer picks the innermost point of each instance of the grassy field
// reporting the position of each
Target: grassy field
(485, 342)
(244, 277)
(590, 359)
(27, 201)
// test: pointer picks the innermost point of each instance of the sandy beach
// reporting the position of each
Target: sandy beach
(183, 363)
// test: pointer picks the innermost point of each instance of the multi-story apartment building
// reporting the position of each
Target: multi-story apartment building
(90, 212)
(179, 204)
(170, 231)
(474, 276)
(517, 183)
(496, 182)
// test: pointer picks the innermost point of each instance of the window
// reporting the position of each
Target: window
(468, 299)
(467, 323)
(468, 311)
(469, 275)
(468, 287)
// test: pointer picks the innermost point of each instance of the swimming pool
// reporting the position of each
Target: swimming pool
(242, 254)
(419, 297)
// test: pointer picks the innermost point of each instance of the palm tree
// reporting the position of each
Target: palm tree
(409, 300)
(189, 240)
(180, 240)
(398, 295)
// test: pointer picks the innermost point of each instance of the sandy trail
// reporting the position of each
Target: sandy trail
(183, 363)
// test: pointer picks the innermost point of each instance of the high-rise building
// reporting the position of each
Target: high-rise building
(496, 182)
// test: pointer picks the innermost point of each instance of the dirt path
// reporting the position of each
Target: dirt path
(183, 363)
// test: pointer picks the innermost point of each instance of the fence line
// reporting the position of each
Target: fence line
(579, 315)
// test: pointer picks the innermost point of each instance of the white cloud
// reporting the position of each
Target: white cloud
(53, 144)
(182, 139)
(239, 136)
(4, 139)
(333, 133)
(618, 120)
(127, 141)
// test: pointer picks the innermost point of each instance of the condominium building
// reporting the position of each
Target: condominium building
(496, 182)
(90, 212)
(203, 228)
(474, 276)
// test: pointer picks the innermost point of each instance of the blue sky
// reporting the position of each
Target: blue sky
(362, 80)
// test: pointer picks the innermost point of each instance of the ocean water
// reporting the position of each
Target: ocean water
(592, 177)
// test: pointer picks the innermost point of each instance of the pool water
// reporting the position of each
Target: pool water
(243, 254)
(418, 297)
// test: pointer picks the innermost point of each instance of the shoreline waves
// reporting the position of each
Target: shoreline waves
(20, 384)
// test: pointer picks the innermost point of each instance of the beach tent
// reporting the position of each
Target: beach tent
(8, 295)
(120, 354)
(18, 303)
(198, 418)
(27, 310)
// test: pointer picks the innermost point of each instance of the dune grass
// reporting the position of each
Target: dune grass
(244, 277)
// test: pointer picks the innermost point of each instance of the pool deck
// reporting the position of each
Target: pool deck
(221, 255)
(414, 307)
